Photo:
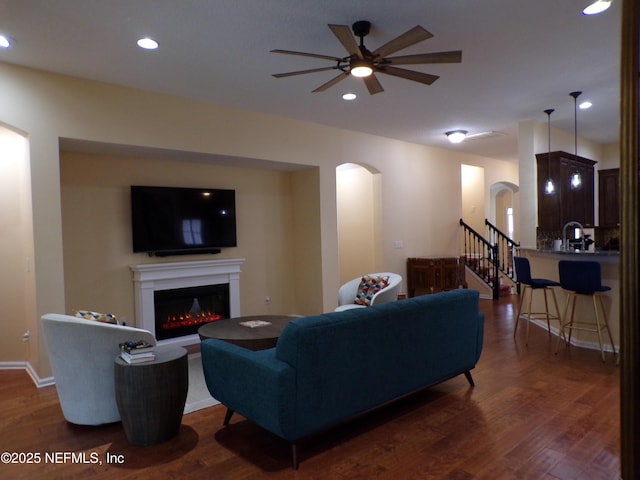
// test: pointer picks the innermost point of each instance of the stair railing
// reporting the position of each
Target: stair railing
(507, 248)
(482, 258)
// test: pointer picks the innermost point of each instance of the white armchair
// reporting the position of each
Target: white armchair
(82, 354)
(347, 292)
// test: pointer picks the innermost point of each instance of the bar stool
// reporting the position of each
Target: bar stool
(584, 278)
(523, 274)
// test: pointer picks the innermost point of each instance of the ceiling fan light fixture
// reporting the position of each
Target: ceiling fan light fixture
(349, 96)
(365, 64)
(456, 136)
(361, 68)
(596, 7)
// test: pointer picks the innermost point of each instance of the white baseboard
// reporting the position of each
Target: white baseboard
(40, 382)
(578, 343)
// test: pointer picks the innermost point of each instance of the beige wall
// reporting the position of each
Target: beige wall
(420, 187)
(16, 245)
(307, 239)
(610, 157)
(358, 239)
(474, 209)
(97, 234)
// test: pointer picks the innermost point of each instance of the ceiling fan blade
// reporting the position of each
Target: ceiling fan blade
(425, 78)
(454, 56)
(331, 82)
(302, 72)
(373, 85)
(304, 54)
(344, 35)
(410, 37)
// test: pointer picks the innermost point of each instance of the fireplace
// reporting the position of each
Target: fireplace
(181, 311)
(172, 300)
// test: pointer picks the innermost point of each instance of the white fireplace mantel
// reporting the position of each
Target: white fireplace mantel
(150, 277)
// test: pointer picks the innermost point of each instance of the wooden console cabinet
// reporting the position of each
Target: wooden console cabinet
(434, 274)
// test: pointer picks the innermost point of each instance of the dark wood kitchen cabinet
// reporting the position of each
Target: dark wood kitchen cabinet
(566, 204)
(609, 197)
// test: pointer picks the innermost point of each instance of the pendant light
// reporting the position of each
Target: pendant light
(576, 180)
(549, 187)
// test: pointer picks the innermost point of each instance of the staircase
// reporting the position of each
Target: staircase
(490, 256)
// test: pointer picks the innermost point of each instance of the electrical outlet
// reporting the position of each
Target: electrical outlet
(26, 336)
(267, 299)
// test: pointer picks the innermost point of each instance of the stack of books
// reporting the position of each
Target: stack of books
(137, 352)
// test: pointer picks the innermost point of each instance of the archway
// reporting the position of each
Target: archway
(504, 208)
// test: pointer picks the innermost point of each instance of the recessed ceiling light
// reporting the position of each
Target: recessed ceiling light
(4, 42)
(596, 7)
(349, 96)
(147, 43)
(586, 104)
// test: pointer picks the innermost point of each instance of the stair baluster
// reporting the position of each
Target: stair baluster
(488, 258)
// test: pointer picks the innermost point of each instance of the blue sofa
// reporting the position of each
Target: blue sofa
(328, 368)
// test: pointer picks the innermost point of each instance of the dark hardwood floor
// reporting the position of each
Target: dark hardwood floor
(532, 415)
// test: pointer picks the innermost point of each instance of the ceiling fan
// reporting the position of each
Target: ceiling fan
(363, 63)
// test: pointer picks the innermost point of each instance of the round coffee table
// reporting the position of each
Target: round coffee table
(253, 338)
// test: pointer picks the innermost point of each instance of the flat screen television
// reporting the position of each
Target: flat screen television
(177, 221)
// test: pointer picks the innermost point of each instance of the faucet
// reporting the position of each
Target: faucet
(565, 240)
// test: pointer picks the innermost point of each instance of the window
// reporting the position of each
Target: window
(510, 222)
